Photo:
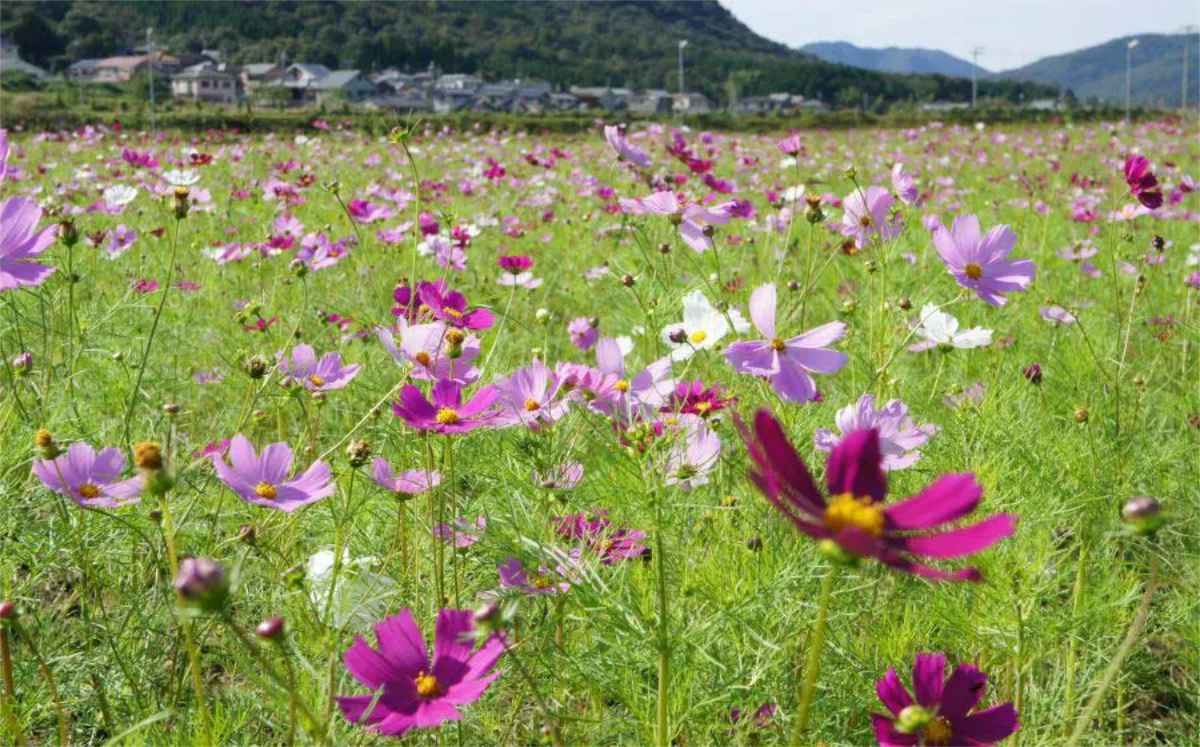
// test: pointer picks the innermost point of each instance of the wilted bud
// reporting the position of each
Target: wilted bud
(45, 443)
(257, 366)
(270, 629)
(793, 285)
(201, 583)
(1143, 514)
(23, 363)
(67, 232)
(147, 455)
(182, 203)
(298, 267)
(455, 336)
(247, 534)
(1081, 415)
(358, 452)
(813, 214)
(628, 280)
(912, 719)
(1033, 372)
(1159, 243)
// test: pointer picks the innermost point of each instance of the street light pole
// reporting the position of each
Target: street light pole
(682, 43)
(1129, 75)
(975, 57)
(150, 70)
(1187, 31)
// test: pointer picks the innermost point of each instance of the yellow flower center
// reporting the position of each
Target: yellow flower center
(427, 685)
(265, 490)
(446, 416)
(621, 386)
(698, 336)
(703, 407)
(777, 344)
(452, 312)
(89, 490)
(845, 511)
(316, 380)
(423, 358)
(937, 732)
(541, 581)
(864, 221)
(973, 270)
(532, 405)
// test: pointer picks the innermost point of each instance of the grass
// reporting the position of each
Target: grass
(1114, 416)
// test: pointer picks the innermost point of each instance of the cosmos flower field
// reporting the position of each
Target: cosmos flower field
(638, 436)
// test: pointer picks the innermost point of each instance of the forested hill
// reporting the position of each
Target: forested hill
(630, 43)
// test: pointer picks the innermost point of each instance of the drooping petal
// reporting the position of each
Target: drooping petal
(784, 462)
(452, 641)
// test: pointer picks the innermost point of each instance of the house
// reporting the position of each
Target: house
(458, 82)
(563, 102)
(347, 85)
(654, 101)
(691, 103)
(602, 97)
(944, 106)
(1045, 105)
(122, 68)
(82, 70)
(401, 103)
(258, 74)
(11, 62)
(300, 75)
(447, 101)
(206, 82)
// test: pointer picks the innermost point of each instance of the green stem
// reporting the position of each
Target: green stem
(185, 625)
(10, 694)
(1114, 667)
(662, 733)
(812, 663)
(1072, 645)
(64, 729)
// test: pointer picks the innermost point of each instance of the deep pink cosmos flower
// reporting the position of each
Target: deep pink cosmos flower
(626, 151)
(865, 217)
(263, 480)
(786, 363)
(1142, 183)
(410, 692)
(899, 438)
(693, 398)
(515, 264)
(594, 529)
(450, 306)
(139, 160)
(941, 712)
(854, 520)
(446, 413)
(980, 263)
(323, 375)
(20, 241)
(428, 224)
(362, 211)
(410, 482)
(88, 478)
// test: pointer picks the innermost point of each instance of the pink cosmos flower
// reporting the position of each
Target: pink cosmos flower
(428, 349)
(513, 575)
(530, 397)
(324, 375)
(904, 185)
(88, 478)
(410, 692)
(584, 332)
(865, 216)
(410, 482)
(263, 479)
(899, 437)
(786, 363)
(445, 413)
(20, 241)
(690, 460)
(980, 263)
(942, 711)
(562, 477)
(120, 241)
(594, 529)
(628, 398)
(626, 151)
(450, 306)
(464, 533)
(852, 515)
(1057, 315)
(362, 211)
(695, 222)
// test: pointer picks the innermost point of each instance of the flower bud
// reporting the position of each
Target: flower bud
(664, 248)
(904, 303)
(8, 610)
(182, 203)
(1081, 415)
(247, 534)
(542, 314)
(1033, 372)
(678, 337)
(754, 544)
(270, 629)
(628, 280)
(912, 719)
(1143, 514)
(201, 583)
(170, 408)
(257, 366)
(23, 363)
(837, 554)
(850, 173)
(45, 443)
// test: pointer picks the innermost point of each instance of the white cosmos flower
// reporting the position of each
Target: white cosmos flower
(181, 177)
(793, 194)
(703, 326)
(359, 598)
(939, 329)
(120, 194)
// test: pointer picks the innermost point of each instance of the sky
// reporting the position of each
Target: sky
(1012, 32)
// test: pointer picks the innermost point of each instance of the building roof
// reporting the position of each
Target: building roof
(258, 69)
(311, 70)
(334, 80)
(124, 62)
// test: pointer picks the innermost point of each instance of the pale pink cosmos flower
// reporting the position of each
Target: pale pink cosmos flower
(626, 151)
(865, 216)
(899, 437)
(980, 263)
(691, 459)
(695, 222)
(409, 482)
(904, 185)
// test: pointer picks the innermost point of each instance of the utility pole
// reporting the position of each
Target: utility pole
(1129, 75)
(1187, 32)
(150, 69)
(975, 52)
(682, 43)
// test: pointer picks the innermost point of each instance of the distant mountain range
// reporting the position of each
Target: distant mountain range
(1093, 73)
(1099, 72)
(894, 59)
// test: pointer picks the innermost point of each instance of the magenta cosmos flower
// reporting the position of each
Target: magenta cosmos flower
(786, 363)
(854, 520)
(412, 691)
(263, 480)
(445, 412)
(450, 306)
(594, 529)
(19, 241)
(323, 375)
(865, 216)
(88, 478)
(941, 713)
(980, 263)
(1142, 183)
